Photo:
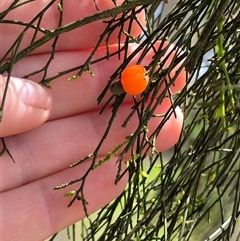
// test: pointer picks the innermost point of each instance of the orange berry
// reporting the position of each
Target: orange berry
(134, 79)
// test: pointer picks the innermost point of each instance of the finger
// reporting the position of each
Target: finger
(81, 95)
(57, 144)
(27, 105)
(72, 11)
(171, 53)
(38, 211)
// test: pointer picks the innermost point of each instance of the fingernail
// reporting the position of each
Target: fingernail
(31, 93)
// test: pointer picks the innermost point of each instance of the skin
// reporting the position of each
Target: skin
(46, 130)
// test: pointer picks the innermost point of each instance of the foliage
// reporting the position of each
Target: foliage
(176, 196)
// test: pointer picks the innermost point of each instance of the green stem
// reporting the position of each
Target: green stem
(222, 64)
(221, 111)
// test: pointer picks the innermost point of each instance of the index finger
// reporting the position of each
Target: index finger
(83, 37)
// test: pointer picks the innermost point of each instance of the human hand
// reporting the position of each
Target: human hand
(31, 210)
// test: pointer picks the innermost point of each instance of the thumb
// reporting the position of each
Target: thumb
(27, 105)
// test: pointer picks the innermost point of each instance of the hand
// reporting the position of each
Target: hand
(30, 208)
